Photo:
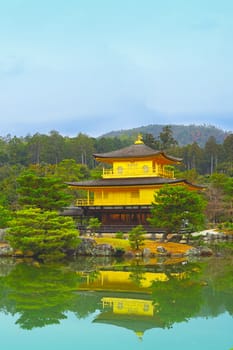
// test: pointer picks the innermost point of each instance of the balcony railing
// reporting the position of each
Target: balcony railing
(142, 172)
(82, 202)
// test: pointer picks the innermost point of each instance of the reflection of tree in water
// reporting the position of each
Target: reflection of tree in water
(40, 295)
(206, 290)
(219, 291)
(93, 275)
(137, 272)
(87, 303)
(7, 264)
(177, 299)
(89, 263)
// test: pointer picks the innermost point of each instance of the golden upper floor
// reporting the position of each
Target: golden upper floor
(137, 160)
(121, 169)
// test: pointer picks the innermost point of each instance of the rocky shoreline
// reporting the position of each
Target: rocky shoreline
(89, 247)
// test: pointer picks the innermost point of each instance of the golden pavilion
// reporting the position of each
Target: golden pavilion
(123, 196)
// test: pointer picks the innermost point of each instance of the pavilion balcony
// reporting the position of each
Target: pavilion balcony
(85, 202)
(141, 172)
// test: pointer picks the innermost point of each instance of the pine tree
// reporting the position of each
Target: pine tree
(137, 237)
(176, 209)
(44, 233)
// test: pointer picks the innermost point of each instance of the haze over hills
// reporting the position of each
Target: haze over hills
(184, 134)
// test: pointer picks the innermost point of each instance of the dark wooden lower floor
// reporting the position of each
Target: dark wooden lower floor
(112, 215)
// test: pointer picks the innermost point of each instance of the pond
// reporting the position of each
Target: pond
(103, 304)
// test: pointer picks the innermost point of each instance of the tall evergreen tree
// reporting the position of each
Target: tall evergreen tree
(166, 138)
(45, 192)
(211, 153)
(177, 208)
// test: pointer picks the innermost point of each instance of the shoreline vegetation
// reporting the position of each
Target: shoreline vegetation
(205, 243)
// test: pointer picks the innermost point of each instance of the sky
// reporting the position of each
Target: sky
(93, 66)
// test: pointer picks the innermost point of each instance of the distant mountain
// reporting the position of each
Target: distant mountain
(184, 134)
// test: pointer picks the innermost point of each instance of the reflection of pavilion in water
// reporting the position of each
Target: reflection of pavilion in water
(135, 280)
(127, 299)
(122, 306)
(137, 315)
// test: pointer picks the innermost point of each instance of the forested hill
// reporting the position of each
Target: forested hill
(184, 134)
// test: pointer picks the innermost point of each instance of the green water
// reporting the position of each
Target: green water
(104, 304)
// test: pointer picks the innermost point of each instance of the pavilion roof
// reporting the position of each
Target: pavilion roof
(134, 151)
(127, 182)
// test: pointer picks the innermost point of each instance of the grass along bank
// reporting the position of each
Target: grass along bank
(172, 248)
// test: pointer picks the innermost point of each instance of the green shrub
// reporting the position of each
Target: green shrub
(119, 252)
(119, 235)
(44, 233)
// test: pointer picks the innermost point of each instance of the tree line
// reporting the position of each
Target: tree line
(53, 148)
